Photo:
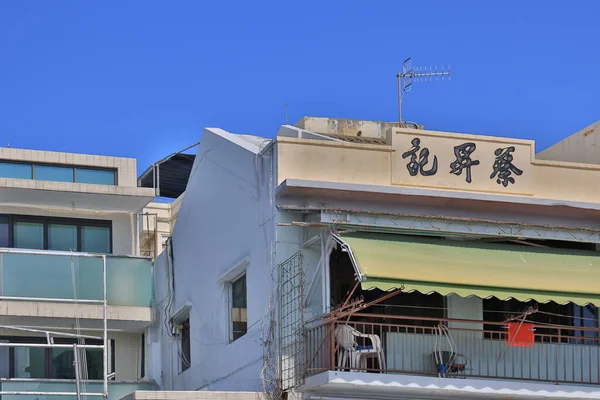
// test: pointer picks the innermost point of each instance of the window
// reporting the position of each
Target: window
(52, 173)
(57, 173)
(53, 363)
(16, 170)
(62, 237)
(565, 318)
(185, 354)
(29, 235)
(95, 239)
(238, 314)
(61, 234)
(143, 358)
(4, 232)
(95, 176)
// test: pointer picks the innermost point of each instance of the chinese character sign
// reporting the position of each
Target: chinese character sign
(463, 160)
(475, 163)
(418, 165)
(504, 167)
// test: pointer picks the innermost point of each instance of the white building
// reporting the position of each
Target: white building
(441, 245)
(61, 214)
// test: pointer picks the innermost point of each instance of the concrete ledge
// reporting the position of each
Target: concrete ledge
(346, 385)
(193, 395)
(33, 313)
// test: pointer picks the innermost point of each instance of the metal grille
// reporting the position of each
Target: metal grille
(291, 313)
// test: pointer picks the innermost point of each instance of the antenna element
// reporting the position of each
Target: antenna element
(416, 74)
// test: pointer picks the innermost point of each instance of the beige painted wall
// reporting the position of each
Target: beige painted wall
(383, 165)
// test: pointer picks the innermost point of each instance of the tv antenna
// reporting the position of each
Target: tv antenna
(416, 74)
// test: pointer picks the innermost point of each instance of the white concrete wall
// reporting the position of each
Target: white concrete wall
(122, 228)
(226, 217)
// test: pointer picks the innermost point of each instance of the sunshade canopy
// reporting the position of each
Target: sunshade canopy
(388, 261)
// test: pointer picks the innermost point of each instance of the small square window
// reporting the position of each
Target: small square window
(239, 309)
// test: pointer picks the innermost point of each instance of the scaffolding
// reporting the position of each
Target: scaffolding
(78, 394)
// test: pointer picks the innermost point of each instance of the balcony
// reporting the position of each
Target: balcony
(61, 279)
(558, 354)
(116, 390)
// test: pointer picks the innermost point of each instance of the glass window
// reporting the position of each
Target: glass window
(63, 368)
(29, 362)
(62, 237)
(95, 239)
(53, 173)
(239, 318)
(4, 239)
(96, 176)
(29, 235)
(14, 170)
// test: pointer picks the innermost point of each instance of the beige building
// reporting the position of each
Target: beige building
(386, 262)
(64, 216)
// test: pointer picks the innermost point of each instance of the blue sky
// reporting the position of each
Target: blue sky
(143, 78)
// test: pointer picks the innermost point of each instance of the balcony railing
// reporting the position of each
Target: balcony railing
(52, 275)
(558, 354)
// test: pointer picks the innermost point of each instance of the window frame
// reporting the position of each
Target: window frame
(187, 362)
(48, 371)
(230, 307)
(74, 167)
(46, 221)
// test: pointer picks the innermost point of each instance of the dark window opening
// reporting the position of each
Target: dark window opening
(239, 308)
(143, 358)
(428, 310)
(555, 323)
(185, 355)
(551, 244)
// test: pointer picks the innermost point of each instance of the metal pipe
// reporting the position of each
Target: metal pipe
(50, 345)
(105, 317)
(77, 366)
(63, 253)
(47, 252)
(65, 394)
(17, 328)
(157, 192)
(50, 300)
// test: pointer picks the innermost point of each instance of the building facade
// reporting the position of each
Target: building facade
(65, 219)
(401, 264)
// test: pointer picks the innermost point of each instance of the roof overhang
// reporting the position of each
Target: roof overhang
(76, 197)
(302, 188)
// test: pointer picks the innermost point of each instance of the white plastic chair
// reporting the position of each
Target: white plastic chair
(345, 336)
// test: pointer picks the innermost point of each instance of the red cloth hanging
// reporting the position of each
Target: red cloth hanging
(520, 334)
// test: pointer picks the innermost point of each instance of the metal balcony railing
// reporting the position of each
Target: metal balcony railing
(558, 354)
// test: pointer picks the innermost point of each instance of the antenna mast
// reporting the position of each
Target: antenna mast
(417, 74)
